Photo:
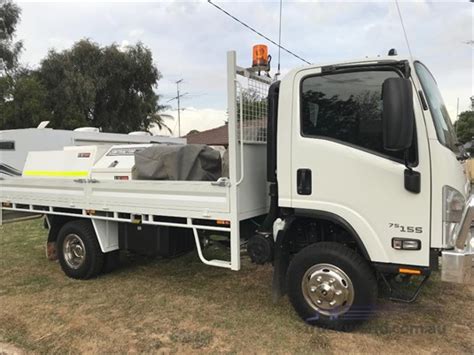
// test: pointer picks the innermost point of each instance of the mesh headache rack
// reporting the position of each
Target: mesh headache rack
(252, 105)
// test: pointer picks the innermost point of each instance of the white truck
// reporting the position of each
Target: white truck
(361, 164)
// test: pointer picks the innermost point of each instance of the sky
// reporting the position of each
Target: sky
(189, 40)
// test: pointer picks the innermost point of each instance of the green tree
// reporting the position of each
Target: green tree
(465, 126)
(193, 131)
(21, 94)
(107, 87)
(24, 106)
(9, 49)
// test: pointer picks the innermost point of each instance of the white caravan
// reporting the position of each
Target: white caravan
(361, 162)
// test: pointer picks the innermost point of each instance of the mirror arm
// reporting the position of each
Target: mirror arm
(412, 177)
(406, 158)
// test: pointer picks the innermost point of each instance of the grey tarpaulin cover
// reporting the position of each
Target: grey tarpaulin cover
(196, 162)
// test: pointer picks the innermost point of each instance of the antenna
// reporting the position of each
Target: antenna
(404, 31)
(457, 109)
(279, 40)
(178, 98)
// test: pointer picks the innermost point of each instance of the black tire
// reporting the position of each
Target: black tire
(93, 259)
(354, 266)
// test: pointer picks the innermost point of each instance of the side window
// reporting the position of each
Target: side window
(346, 107)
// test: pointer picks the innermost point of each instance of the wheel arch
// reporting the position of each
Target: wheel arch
(106, 232)
(283, 239)
(340, 221)
(55, 223)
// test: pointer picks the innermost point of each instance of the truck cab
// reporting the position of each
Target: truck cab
(365, 169)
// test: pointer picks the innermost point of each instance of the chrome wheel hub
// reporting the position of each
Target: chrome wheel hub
(74, 251)
(328, 289)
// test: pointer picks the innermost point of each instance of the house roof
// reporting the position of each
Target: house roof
(214, 136)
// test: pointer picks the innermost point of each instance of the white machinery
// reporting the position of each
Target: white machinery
(329, 235)
(15, 144)
(117, 163)
(69, 163)
(93, 162)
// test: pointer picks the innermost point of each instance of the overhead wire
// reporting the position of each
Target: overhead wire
(258, 32)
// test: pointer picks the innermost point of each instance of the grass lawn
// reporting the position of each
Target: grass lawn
(182, 305)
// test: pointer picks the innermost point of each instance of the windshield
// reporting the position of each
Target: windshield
(442, 122)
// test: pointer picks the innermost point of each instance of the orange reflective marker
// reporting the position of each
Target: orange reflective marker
(260, 55)
(223, 222)
(409, 271)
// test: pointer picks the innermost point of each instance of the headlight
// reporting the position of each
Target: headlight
(453, 205)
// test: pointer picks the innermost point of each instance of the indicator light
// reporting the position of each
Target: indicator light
(406, 244)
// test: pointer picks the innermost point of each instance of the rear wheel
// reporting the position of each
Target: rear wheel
(331, 286)
(79, 251)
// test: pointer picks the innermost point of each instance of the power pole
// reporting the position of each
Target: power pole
(178, 98)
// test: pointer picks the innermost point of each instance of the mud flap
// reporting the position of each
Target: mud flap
(51, 252)
(281, 261)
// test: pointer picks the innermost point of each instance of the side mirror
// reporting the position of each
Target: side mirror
(398, 118)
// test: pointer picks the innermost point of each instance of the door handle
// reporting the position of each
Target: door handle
(303, 182)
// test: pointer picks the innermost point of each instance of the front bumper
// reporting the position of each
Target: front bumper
(457, 264)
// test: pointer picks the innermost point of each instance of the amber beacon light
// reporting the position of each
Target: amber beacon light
(260, 56)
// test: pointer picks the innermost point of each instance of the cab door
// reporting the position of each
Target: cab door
(339, 165)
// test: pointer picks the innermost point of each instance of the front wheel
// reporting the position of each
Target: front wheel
(331, 286)
(78, 250)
